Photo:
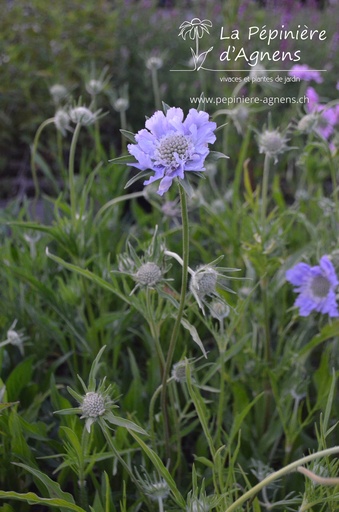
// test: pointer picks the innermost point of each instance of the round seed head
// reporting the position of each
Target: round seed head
(307, 123)
(82, 115)
(154, 63)
(93, 405)
(179, 371)
(95, 87)
(148, 274)
(58, 92)
(203, 282)
(219, 310)
(61, 121)
(198, 505)
(121, 104)
(272, 143)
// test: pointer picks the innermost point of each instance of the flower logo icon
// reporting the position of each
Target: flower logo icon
(195, 30)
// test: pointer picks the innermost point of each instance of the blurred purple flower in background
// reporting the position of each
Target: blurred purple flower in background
(170, 146)
(316, 287)
(328, 117)
(304, 72)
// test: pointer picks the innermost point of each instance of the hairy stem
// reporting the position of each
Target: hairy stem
(176, 327)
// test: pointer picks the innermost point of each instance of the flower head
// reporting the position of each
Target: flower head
(148, 270)
(62, 121)
(96, 404)
(326, 118)
(84, 115)
(148, 274)
(58, 93)
(304, 72)
(121, 104)
(316, 287)
(154, 63)
(179, 370)
(205, 280)
(96, 84)
(155, 488)
(258, 71)
(272, 143)
(15, 338)
(170, 145)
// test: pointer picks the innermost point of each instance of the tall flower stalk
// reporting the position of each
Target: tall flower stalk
(171, 147)
(176, 328)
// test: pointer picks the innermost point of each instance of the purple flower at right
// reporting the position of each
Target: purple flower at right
(303, 72)
(316, 287)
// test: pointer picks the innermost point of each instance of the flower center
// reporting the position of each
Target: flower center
(320, 286)
(171, 148)
(93, 405)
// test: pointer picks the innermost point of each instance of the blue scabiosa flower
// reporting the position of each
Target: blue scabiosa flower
(170, 145)
(316, 287)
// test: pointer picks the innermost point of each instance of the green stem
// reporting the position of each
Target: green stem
(239, 169)
(71, 172)
(82, 479)
(123, 125)
(176, 328)
(264, 292)
(221, 408)
(278, 474)
(154, 331)
(60, 156)
(156, 90)
(98, 147)
(110, 443)
(264, 193)
(33, 156)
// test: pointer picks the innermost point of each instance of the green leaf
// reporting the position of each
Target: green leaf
(139, 176)
(121, 422)
(7, 405)
(213, 156)
(94, 370)
(201, 410)
(87, 273)
(19, 378)
(326, 333)
(122, 159)
(128, 135)
(163, 471)
(194, 334)
(52, 487)
(165, 107)
(32, 499)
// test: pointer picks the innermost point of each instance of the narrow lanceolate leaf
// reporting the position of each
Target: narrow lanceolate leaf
(194, 334)
(122, 159)
(53, 488)
(213, 156)
(161, 468)
(122, 422)
(139, 176)
(128, 135)
(33, 499)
